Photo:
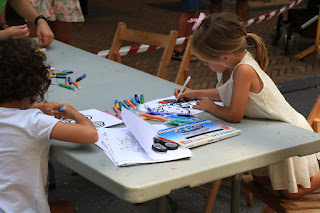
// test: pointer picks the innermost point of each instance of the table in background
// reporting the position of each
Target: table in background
(261, 143)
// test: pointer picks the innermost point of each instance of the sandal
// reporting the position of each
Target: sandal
(177, 55)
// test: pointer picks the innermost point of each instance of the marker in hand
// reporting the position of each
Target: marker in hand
(61, 109)
(183, 87)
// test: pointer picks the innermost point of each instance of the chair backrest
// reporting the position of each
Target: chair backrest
(184, 70)
(314, 116)
(142, 37)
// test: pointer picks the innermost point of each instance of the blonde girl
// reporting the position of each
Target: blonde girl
(245, 89)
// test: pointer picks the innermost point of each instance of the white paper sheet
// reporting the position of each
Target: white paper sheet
(144, 132)
(99, 119)
(169, 105)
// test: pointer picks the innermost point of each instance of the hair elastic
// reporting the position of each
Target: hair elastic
(197, 21)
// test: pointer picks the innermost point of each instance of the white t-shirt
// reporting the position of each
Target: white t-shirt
(24, 153)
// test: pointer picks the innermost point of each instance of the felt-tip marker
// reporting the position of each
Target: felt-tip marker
(134, 101)
(125, 105)
(81, 77)
(66, 86)
(76, 84)
(141, 99)
(137, 98)
(61, 109)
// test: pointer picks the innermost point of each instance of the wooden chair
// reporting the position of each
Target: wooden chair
(273, 202)
(212, 191)
(184, 70)
(154, 39)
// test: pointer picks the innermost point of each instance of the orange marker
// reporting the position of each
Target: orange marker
(131, 104)
(152, 116)
(76, 84)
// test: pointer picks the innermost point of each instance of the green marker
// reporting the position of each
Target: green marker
(173, 123)
(66, 86)
(120, 105)
(141, 99)
(61, 73)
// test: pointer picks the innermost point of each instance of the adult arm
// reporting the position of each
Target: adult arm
(26, 10)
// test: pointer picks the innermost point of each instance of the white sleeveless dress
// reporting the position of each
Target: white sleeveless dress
(271, 104)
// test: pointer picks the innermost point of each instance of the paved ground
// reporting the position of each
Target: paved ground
(160, 16)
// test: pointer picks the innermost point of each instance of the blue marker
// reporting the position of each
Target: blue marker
(61, 109)
(159, 113)
(134, 101)
(67, 71)
(70, 81)
(125, 105)
(179, 120)
(136, 98)
(81, 77)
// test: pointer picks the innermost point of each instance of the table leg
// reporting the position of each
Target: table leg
(235, 195)
(162, 204)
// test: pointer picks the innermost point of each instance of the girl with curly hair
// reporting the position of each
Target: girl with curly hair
(26, 127)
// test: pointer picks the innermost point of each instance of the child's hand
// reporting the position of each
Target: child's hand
(46, 107)
(205, 104)
(64, 110)
(188, 94)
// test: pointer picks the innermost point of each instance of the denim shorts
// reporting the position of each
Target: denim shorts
(190, 5)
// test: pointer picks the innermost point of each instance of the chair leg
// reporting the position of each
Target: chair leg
(212, 194)
(267, 209)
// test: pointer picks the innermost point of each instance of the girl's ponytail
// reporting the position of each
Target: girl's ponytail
(260, 50)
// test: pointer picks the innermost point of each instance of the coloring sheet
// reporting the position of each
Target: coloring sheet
(98, 118)
(144, 132)
(132, 145)
(170, 105)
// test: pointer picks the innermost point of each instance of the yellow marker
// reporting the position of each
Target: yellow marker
(145, 118)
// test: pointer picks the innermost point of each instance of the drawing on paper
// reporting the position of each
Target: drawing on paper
(170, 105)
(129, 143)
(97, 124)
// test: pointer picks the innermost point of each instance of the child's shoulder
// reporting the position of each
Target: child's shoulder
(244, 71)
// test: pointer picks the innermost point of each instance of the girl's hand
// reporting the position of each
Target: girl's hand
(188, 94)
(205, 104)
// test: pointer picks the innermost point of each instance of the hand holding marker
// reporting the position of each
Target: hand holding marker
(183, 87)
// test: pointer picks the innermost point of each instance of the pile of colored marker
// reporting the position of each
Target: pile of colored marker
(174, 119)
(130, 103)
(63, 74)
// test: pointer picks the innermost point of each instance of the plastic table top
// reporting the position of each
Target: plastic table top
(261, 143)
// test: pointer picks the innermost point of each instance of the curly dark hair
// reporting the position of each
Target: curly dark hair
(23, 73)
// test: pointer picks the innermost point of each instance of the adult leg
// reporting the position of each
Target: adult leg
(62, 31)
(242, 9)
(184, 28)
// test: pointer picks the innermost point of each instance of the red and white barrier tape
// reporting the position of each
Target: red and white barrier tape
(138, 48)
(270, 15)
(143, 47)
